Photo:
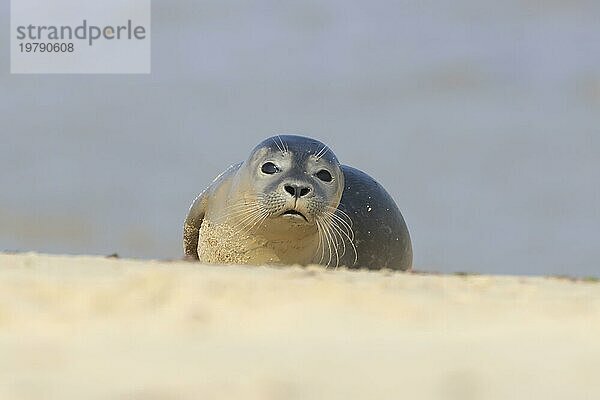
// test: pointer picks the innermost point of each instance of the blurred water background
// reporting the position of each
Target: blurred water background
(482, 119)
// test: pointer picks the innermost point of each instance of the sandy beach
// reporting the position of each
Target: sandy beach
(99, 328)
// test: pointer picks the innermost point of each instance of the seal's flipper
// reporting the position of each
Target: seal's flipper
(193, 221)
(191, 227)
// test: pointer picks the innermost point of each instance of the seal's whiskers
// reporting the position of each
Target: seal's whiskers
(336, 228)
(246, 214)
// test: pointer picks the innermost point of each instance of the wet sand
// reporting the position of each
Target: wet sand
(98, 328)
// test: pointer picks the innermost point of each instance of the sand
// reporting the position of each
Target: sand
(97, 328)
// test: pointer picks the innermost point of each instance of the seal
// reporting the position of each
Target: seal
(292, 202)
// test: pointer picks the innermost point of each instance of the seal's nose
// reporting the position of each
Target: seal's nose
(297, 191)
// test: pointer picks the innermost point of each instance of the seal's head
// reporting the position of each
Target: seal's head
(295, 182)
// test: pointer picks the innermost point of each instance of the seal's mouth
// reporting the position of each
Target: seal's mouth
(294, 214)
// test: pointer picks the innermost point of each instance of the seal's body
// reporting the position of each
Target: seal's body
(291, 202)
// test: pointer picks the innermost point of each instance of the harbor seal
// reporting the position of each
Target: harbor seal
(292, 202)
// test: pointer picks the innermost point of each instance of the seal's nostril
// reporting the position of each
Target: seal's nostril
(297, 191)
(290, 189)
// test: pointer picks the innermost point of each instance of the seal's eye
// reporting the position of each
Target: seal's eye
(324, 175)
(269, 168)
